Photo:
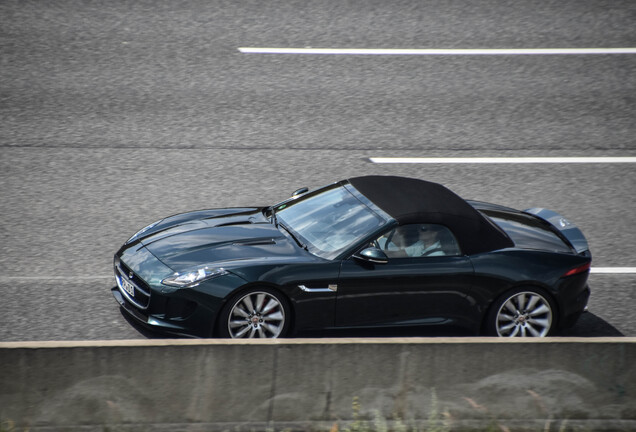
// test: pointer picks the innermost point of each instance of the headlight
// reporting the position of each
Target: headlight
(193, 278)
(143, 230)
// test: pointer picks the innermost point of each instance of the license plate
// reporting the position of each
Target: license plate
(128, 287)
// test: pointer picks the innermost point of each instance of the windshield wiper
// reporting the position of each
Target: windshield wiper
(301, 244)
(272, 216)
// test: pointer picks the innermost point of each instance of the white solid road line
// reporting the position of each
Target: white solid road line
(371, 51)
(613, 270)
(501, 160)
(55, 278)
(5, 279)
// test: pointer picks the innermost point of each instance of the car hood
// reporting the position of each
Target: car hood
(227, 240)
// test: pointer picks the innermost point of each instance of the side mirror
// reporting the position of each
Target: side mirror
(302, 190)
(372, 255)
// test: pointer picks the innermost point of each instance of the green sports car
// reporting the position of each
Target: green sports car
(373, 251)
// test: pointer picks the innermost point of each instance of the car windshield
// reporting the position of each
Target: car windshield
(329, 221)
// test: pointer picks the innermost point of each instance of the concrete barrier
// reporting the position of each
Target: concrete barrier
(319, 384)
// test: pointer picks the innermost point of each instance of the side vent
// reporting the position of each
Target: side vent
(235, 223)
(258, 242)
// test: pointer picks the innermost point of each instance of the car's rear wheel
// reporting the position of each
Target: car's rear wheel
(257, 313)
(525, 312)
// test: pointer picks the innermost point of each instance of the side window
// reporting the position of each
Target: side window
(418, 240)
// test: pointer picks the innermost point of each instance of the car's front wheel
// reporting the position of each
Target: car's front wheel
(525, 312)
(257, 313)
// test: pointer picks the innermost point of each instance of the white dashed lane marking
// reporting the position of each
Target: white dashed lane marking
(503, 160)
(443, 52)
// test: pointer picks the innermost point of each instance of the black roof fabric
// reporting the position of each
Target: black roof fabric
(410, 200)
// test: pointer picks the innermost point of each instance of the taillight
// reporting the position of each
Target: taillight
(576, 270)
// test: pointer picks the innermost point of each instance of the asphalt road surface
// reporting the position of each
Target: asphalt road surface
(115, 114)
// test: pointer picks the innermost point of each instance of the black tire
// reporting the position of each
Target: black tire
(522, 312)
(255, 313)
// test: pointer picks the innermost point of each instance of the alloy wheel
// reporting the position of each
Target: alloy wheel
(524, 314)
(256, 315)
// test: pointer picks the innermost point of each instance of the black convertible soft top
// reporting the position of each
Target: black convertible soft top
(409, 200)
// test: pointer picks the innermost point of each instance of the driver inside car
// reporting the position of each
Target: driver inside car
(415, 240)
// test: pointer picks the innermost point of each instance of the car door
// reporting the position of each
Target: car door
(406, 290)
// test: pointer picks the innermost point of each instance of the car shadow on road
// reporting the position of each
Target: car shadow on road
(589, 325)
(144, 331)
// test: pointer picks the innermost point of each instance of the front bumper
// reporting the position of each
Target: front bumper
(182, 311)
(148, 321)
(141, 295)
